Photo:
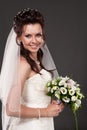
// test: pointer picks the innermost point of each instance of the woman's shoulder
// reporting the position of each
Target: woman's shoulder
(23, 61)
(24, 65)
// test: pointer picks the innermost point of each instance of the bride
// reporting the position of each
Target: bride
(26, 68)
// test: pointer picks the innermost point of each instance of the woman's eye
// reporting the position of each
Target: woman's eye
(39, 35)
(28, 36)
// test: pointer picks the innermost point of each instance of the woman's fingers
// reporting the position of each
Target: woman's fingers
(54, 102)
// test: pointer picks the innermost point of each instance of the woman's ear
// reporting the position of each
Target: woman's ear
(18, 41)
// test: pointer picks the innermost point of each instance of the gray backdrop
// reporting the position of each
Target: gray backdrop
(66, 29)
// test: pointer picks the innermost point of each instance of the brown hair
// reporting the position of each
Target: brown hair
(24, 17)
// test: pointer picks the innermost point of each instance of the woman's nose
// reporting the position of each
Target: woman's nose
(34, 39)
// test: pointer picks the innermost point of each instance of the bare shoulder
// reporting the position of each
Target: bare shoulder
(24, 67)
(24, 63)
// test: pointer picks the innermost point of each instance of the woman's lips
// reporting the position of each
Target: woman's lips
(34, 46)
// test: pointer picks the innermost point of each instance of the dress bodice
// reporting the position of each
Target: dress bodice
(34, 93)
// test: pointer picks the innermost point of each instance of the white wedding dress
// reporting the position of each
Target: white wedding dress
(34, 95)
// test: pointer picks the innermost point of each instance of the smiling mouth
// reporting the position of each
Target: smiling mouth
(34, 46)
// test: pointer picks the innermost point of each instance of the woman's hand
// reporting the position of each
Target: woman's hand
(54, 109)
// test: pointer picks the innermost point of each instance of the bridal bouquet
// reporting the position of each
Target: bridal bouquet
(67, 91)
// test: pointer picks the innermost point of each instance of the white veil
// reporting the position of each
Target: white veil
(9, 77)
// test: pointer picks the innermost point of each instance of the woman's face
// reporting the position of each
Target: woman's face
(32, 37)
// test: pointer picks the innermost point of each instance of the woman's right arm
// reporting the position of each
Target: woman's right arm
(51, 110)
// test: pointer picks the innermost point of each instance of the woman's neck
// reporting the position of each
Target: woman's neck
(34, 56)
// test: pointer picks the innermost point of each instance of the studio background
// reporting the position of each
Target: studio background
(66, 30)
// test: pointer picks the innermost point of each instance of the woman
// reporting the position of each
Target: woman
(25, 103)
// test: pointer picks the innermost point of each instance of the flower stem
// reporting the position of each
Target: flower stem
(75, 117)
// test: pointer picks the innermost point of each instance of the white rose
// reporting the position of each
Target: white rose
(53, 82)
(66, 99)
(65, 85)
(78, 102)
(71, 92)
(76, 106)
(71, 82)
(74, 88)
(66, 78)
(63, 90)
(61, 83)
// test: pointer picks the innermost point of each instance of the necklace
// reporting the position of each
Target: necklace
(36, 61)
